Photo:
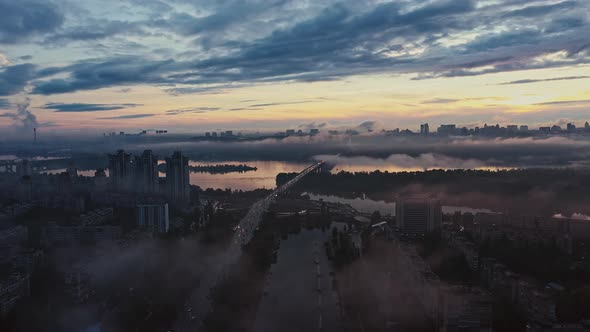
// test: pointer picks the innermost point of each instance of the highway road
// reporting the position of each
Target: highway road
(199, 304)
(298, 292)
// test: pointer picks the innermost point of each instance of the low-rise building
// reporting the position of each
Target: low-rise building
(418, 216)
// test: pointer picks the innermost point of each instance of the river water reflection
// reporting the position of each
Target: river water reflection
(263, 177)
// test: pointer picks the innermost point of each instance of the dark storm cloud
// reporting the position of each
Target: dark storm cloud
(98, 29)
(527, 81)
(156, 6)
(503, 66)
(13, 79)
(80, 107)
(25, 18)
(324, 47)
(128, 116)
(224, 14)
(505, 39)
(101, 74)
(238, 43)
(542, 10)
(187, 24)
(564, 24)
(304, 52)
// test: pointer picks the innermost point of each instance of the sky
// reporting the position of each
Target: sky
(189, 66)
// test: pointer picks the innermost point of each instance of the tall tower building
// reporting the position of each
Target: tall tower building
(418, 216)
(120, 170)
(146, 172)
(177, 177)
(424, 129)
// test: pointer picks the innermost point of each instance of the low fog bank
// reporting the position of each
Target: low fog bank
(420, 152)
(536, 192)
(145, 278)
(403, 162)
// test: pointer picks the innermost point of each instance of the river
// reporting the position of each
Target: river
(263, 177)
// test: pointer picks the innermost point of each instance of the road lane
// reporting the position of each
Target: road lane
(213, 274)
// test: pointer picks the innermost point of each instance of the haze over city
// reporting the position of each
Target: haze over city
(282, 165)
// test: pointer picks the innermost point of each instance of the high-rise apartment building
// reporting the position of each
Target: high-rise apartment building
(146, 172)
(424, 129)
(120, 170)
(177, 177)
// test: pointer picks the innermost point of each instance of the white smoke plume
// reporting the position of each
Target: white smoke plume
(23, 117)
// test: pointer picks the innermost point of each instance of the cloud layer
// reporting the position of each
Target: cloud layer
(191, 47)
(79, 107)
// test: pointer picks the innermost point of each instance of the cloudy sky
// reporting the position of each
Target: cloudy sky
(189, 65)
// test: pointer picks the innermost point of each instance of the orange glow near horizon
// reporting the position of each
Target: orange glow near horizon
(393, 100)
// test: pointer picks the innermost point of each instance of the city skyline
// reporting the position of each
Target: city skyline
(294, 165)
(253, 65)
